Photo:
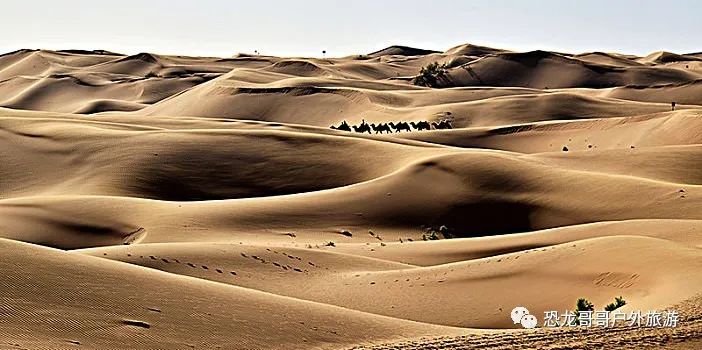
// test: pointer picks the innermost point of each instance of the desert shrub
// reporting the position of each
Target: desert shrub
(581, 305)
(430, 236)
(618, 302)
(446, 232)
(584, 305)
(330, 244)
(431, 75)
(431, 233)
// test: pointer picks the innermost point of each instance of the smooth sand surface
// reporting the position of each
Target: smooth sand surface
(170, 202)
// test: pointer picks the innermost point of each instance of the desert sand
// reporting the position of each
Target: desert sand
(170, 202)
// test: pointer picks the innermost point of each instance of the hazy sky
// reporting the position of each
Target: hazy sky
(305, 28)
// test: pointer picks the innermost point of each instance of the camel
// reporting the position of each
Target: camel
(389, 127)
(444, 124)
(400, 126)
(344, 126)
(381, 128)
(422, 125)
(364, 127)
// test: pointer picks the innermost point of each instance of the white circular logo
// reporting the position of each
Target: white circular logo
(520, 315)
(519, 312)
(528, 321)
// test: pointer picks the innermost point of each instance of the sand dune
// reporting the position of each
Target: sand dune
(155, 201)
(462, 196)
(90, 82)
(686, 93)
(667, 57)
(652, 130)
(99, 308)
(611, 59)
(465, 107)
(432, 253)
(400, 50)
(170, 164)
(542, 69)
(527, 278)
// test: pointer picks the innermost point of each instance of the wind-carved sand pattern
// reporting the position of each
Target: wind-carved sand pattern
(200, 202)
(616, 280)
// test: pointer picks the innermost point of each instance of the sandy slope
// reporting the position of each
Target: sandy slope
(632, 133)
(542, 69)
(118, 306)
(463, 197)
(169, 164)
(540, 279)
(685, 337)
(90, 82)
(206, 203)
(431, 253)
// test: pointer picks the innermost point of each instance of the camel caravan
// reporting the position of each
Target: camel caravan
(392, 127)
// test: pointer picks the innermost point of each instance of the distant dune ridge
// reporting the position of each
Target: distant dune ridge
(152, 201)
